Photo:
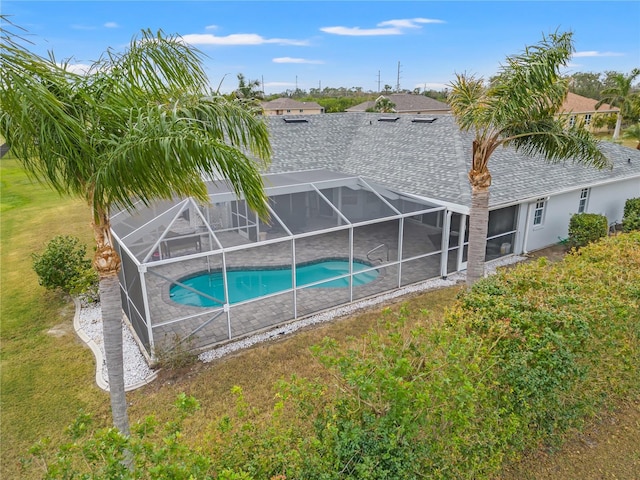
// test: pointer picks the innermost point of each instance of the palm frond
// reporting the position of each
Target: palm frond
(556, 141)
(167, 150)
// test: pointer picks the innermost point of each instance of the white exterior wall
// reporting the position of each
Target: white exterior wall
(609, 199)
(606, 200)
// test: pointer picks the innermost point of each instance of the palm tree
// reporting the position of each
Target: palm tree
(137, 126)
(384, 105)
(623, 95)
(247, 89)
(517, 109)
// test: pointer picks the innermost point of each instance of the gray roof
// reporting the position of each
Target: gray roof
(285, 102)
(428, 159)
(406, 103)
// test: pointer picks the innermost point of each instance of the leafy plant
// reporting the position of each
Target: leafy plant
(174, 353)
(518, 360)
(585, 228)
(63, 266)
(631, 215)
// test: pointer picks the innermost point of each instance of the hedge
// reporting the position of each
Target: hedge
(518, 360)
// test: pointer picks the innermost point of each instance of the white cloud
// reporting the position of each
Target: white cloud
(361, 32)
(408, 23)
(388, 27)
(595, 53)
(111, 25)
(296, 60)
(211, 27)
(79, 68)
(238, 39)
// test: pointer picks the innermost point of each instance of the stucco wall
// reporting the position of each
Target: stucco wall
(607, 200)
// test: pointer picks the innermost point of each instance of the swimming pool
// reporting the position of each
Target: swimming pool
(247, 284)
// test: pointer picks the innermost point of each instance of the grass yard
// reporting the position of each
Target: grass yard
(47, 374)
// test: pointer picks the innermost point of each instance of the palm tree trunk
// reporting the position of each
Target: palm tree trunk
(478, 227)
(107, 264)
(616, 131)
(112, 333)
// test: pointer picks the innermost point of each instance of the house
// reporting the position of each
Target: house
(288, 106)
(371, 202)
(583, 109)
(406, 103)
(429, 157)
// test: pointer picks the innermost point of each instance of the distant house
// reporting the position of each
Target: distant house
(583, 109)
(288, 106)
(407, 103)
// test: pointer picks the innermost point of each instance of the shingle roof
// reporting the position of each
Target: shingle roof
(405, 102)
(579, 104)
(429, 159)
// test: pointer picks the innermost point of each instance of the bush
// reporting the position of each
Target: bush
(585, 228)
(63, 266)
(518, 360)
(631, 215)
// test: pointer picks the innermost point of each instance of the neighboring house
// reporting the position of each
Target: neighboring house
(288, 106)
(583, 109)
(407, 103)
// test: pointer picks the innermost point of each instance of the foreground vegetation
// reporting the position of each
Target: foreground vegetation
(511, 365)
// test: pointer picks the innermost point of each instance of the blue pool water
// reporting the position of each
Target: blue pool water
(248, 284)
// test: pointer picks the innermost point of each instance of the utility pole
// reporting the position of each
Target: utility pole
(262, 83)
(378, 81)
(398, 82)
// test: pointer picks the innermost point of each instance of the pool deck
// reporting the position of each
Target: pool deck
(203, 327)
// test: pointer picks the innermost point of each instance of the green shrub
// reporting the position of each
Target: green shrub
(631, 215)
(63, 266)
(518, 360)
(585, 228)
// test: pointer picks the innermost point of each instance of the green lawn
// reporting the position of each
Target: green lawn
(45, 378)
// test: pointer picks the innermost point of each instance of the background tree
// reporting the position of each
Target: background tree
(384, 105)
(517, 109)
(622, 93)
(248, 89)
(586, 84)
(633, 132)
(138, 126)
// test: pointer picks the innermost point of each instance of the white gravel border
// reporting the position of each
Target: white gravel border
(88, 325)
(137, 373)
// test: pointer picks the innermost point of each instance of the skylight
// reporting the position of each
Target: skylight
(295, 120)
(424, 120)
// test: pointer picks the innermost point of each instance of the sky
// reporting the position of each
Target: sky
(316, 44)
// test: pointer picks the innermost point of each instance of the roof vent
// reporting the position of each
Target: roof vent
(423, 120)
(295, 120)
(388, 119)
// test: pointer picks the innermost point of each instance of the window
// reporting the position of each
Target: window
(538, 213)
(584, 198)
(572, 120)
(587, 119)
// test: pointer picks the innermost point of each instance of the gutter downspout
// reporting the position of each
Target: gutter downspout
(526, 230)
(446, 231)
